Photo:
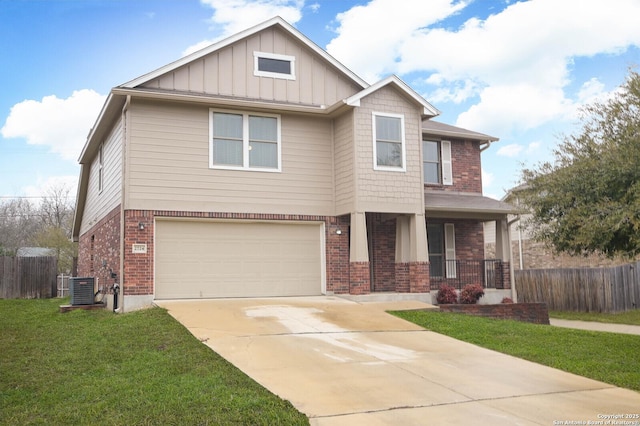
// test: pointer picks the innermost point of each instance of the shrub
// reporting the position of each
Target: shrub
(507, 300)
(471, 293)
(447, 295)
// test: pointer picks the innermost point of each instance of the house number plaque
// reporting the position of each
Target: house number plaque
(138, 248)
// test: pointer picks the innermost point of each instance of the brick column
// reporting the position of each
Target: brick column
(359, 278)
(419, 277)
(138, 267)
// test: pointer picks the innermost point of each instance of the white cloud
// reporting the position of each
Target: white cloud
(516, 62)
(234, 16)
(511, 150)
(534, 147)
(370, 44)
(60, 124)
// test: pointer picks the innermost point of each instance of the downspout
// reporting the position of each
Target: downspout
(125, 134)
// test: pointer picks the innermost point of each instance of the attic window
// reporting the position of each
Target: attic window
(273, 65)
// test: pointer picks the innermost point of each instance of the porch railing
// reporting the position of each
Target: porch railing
(490, 273)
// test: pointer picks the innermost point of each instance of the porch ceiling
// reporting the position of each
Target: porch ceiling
(465, 206)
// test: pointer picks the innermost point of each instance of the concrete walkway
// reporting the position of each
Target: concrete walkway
(596, 326)
(347, 363)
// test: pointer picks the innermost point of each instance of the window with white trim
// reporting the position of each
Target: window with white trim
(441, 241)
(436, 162)
(274, 65)
(244, 141)
(389, 151)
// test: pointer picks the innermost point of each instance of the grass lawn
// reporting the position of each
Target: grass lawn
(608, 357)
(144, 368)
(629, 317)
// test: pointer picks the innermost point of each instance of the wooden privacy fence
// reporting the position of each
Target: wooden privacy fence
(614, 289)
(28, 277)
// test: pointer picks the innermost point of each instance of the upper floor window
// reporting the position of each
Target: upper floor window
(100, 168)
(388, 142)
(273, 65)
(436, 162)
(244, 141)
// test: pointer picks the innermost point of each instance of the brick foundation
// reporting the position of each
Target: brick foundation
(536, 313)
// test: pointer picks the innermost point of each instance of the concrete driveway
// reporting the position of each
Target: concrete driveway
(347, 363)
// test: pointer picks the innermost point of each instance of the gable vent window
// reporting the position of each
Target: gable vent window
(273, 65)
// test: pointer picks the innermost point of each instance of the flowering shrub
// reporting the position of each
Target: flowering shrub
(507, 300)
(471, 293)
(447, 295)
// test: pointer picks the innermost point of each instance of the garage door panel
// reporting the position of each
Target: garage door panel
(237, 259)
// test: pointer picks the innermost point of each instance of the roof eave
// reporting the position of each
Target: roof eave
(232, 102)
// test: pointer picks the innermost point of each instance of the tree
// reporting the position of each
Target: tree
(588, 200)
(49, 225)
(19, 222)
(56, 216)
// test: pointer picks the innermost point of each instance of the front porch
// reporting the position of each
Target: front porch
(397, 253)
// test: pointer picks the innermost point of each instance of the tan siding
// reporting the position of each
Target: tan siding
(344, 162)
(229, 72)
(388, 191)
(169, 166)
(98, 204)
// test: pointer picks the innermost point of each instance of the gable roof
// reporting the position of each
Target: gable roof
(446, 130)
(393, 80)
(239, 36)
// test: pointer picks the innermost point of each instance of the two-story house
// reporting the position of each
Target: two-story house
(262, 166)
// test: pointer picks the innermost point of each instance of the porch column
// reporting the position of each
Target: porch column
(418, 255)
(359, 273)
(503, 251)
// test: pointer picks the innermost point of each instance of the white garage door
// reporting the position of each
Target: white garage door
(197, 259)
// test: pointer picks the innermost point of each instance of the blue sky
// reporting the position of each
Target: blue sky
(515, 70)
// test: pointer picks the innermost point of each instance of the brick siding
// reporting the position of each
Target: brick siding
(98, 258)
(403, 280)
(382, 232)
(465, 166)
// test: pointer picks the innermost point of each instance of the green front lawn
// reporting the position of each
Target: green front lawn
(96, 367)
(608, 357)
(629, 317)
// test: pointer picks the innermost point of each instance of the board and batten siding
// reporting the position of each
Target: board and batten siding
(168, 162)
(382, 190)
(229, 72)
(99, 203)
